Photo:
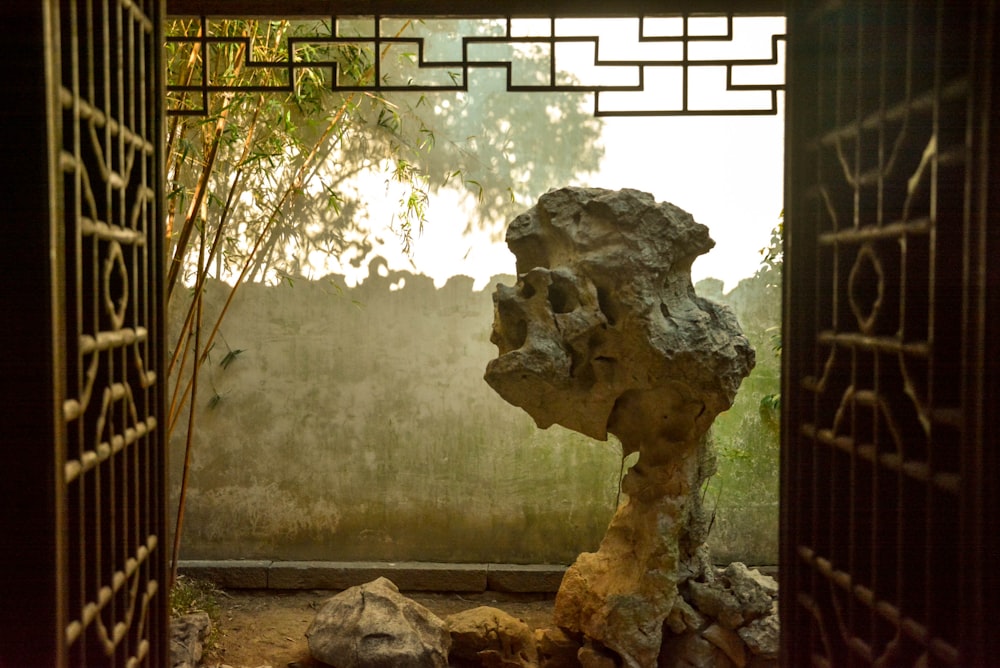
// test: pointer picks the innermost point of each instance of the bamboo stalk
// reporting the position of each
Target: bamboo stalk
(189, 440)
(294, 188)
(175, 408)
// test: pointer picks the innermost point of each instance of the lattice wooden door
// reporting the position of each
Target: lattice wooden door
(87, 476)
(888, 508)
(110, 162)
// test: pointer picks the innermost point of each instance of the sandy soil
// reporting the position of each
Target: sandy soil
(267, 628)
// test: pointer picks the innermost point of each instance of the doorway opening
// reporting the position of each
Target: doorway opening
(363, 171)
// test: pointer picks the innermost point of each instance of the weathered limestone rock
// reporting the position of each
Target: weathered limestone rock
(556, 649)
(487, 636)
(728, 642)
(595, 656)
(621, 594)
(737, 596)
(684, 618)
(735, 610)
(762, 636)
(187, 639)
(692, 650)
(374, 626)
(739, 574)
(603, 333)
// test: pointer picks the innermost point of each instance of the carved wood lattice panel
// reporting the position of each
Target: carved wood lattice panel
(114, 469)
(880, 270)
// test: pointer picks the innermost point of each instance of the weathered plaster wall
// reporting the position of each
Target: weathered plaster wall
(355, 425)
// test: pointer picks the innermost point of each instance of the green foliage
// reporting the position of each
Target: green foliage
(745, 488)
(505, 149)
(269, 162)
(230, 356)
(248, 170)
(773, 255)
(189, 595)
(770, 273)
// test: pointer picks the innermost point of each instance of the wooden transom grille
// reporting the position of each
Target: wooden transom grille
(681, 64)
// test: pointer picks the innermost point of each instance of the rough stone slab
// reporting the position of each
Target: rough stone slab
(375, 626)
(524, 579)
(407, 576)
(230, 574)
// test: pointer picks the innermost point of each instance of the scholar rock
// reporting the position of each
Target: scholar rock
(621, 595)
(603, 330)
(374, 626)
(603, 333)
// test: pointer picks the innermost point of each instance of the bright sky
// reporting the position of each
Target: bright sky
(727, 171)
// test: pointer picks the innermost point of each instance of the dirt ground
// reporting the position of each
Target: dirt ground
(267, 628)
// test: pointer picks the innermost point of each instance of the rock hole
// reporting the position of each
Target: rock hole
(518, 334)
(607, 306)
(562, 301)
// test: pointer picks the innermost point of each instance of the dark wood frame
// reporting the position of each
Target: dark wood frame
(34, 615)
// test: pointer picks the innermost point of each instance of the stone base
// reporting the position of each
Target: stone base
(620, 596)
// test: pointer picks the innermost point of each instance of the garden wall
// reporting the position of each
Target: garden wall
(353, 424)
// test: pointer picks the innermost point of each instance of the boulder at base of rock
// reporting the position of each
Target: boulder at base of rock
(692, 650)
(374, 626)
(486, 636)
(594, 656)
(736, 596)
(762, 636)
(556, 649)
(728, 642)
(187, 638)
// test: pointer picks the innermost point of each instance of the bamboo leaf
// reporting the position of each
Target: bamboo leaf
(230, 357)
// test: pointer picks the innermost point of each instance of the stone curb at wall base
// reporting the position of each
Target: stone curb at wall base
(236, 574)
(408, 576)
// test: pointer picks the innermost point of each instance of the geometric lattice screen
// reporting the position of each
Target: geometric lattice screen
(663, 65)
(881, 503)
(113, 470)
